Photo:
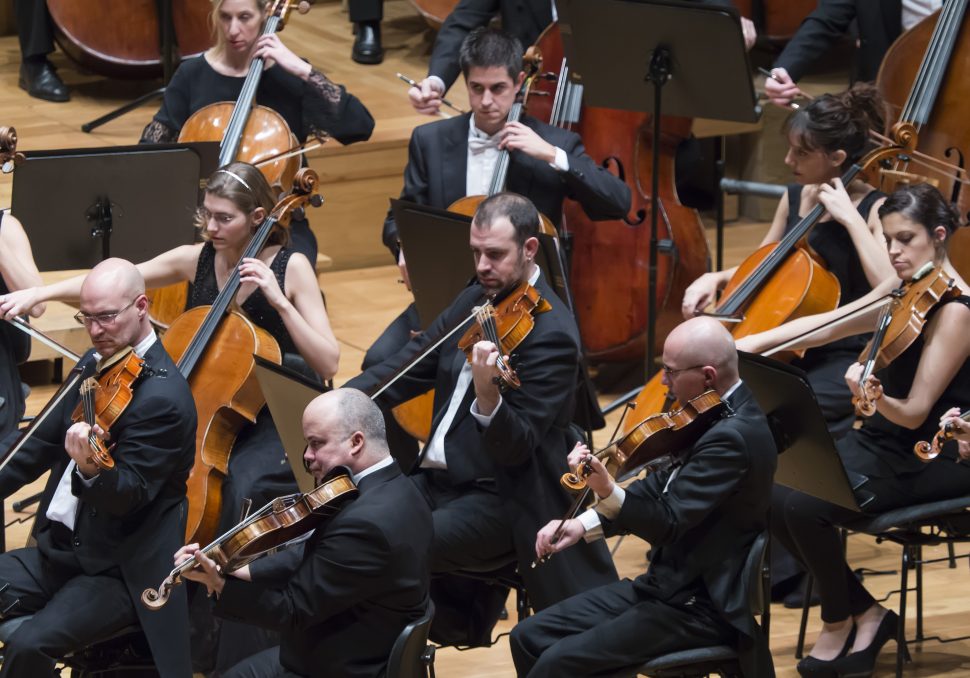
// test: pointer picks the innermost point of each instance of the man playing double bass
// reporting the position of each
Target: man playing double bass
(700, 517)
(104, 535)
(491, 469)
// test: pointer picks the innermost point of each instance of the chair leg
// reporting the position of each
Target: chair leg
(919, 593)
(901, 628)
(806, 606)
(951, 555)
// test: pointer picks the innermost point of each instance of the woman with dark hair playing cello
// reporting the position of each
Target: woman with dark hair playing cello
(304, 97)
(927, 377)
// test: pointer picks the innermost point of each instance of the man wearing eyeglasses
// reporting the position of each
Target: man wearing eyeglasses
(103, 535)
(700, 517)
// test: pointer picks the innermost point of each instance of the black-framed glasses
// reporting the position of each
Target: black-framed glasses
(88, 319)
(669, 371)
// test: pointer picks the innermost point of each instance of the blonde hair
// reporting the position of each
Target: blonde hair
(245, 187)
(220, 46)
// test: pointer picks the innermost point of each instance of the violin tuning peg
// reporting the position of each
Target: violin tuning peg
(316, 200)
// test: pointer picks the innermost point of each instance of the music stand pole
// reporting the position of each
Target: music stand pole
(659, 74)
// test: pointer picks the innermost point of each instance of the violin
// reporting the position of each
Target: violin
(280, 521)
(104, 399)
(900, 323)
(657, 436)
(9, 157)
(505, 325)
(929, 451)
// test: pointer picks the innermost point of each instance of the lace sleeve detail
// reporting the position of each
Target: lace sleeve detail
(157, 133)
(323, 87)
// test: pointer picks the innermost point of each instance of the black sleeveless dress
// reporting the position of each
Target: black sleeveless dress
(882, 451)
(826, 365)
(258, 468)
(14, 349)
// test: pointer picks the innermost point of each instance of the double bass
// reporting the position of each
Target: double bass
(608, 270)
(121, 38)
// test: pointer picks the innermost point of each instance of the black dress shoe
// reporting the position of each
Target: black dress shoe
(41, 81)
(862, 663)
(824, 668)
(367, 44)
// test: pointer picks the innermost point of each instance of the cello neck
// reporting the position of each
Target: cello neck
(732, 306)
(929, 78)
(195, 349)
(244, 104)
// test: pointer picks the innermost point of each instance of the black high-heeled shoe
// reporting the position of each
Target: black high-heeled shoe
(824, 668)
(862, 663)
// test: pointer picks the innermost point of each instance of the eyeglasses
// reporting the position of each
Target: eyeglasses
(669, 371)
(88, 319)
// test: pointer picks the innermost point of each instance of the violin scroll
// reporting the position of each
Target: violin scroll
(865, 404)
(9, 157)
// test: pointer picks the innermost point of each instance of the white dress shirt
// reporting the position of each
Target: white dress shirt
(915, 11)
(63, 506)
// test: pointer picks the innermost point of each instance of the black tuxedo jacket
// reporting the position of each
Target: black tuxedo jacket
(133, 516)
(438, 159)
(523, 19)
(880, 22)
(702, 528)
(525, 446)
(341, 601)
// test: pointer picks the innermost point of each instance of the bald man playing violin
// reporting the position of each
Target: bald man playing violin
(103, 535)
(700, 517)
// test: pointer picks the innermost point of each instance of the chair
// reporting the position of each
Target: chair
(502, 572)
(912, 527)
(722, 659)
(125, 650)
(412, 655)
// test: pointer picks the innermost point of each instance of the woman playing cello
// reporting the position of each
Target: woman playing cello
(825, 138)
(924, 381)
(301, 94)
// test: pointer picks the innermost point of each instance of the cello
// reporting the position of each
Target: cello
(133, 48)
(213, 348)
(610, 302)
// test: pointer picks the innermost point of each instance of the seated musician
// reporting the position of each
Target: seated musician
(960, 428)
(104, 535)
(701, 518)
(491, 469)
(302, 95)
(17, 271)
(928, 378)
(342, 599)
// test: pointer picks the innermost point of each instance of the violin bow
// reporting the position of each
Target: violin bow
(26, 328)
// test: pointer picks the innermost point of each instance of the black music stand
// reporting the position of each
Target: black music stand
(808, 461)
(674, 58)
(440, 264)
(81, 206)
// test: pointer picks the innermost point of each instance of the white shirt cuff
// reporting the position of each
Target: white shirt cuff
(561, 162)
(88, 482)
(438, 83)
(590, 520)
(611, 505)
(484, 419)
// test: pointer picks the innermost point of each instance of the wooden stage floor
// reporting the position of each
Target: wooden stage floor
(362, 301)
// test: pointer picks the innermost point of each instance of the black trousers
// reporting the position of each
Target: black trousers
(33, 28)
(70, 609)
(808, 527)
(366, 10)
(265, 664)
(610, 628)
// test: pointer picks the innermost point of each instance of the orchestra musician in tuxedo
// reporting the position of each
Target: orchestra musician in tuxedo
(104, 535)
(700, 517)
(491, 468)
(341, 598)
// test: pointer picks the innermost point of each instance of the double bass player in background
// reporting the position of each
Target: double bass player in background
(103, 535)
(700, 517)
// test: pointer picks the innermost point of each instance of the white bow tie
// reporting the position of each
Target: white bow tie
(480, 145)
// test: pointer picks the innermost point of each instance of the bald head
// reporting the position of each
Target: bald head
(704, 342)
(114, 306)
(343, 427)
(113, 277)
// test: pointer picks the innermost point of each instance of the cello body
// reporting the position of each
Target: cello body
(227, 396)
(133, 48)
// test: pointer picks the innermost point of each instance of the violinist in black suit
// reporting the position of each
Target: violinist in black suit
(491, 469)
(343, 597)
(103, 536)
(700, 517)
(879, 24)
